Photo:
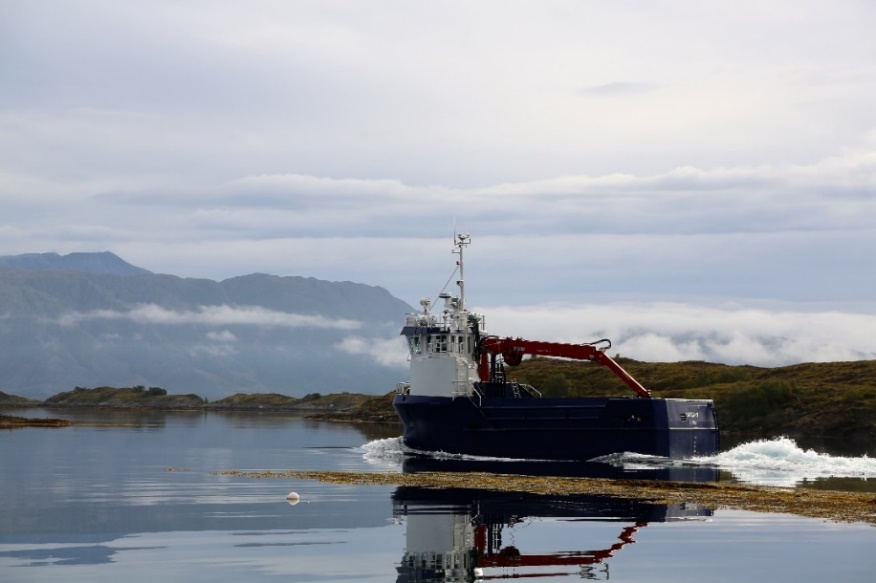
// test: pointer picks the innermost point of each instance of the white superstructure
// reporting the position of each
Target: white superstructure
(443, 348)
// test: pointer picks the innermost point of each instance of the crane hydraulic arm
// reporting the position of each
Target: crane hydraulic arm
(514, 349)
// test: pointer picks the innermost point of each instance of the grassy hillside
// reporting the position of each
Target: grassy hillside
(314, 401)
(836, 399)
(15, 401)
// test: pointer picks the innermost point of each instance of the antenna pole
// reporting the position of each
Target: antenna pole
(461, 242)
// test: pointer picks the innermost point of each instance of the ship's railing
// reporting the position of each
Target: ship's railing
(462, 388)
(528, 388)
(403, 388)
(475, 392)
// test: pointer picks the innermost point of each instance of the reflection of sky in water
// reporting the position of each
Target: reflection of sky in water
(309, 555)
(733, 546)
(100, 504)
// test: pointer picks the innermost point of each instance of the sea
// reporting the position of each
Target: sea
(141, 496)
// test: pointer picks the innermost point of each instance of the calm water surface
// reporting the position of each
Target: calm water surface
(137, 500)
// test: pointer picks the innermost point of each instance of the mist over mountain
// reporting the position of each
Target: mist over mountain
(92, 319)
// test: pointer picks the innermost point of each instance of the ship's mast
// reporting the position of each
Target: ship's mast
(461, 242)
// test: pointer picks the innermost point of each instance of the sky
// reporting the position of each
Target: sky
(696, 179)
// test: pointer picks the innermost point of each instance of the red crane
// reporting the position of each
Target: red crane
(514, 349)
(511, 557)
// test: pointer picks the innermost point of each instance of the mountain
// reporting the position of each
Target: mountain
(103, 262)
(92, 319)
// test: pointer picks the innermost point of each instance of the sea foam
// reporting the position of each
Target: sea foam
(776, 462)
(782, 461)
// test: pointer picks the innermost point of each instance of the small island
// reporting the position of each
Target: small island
(348, 407)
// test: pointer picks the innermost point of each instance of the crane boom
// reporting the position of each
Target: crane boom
(513, 350)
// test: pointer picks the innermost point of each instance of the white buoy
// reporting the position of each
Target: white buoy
(293, 498)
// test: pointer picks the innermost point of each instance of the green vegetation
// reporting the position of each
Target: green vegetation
(255, 401)
(343, 402)
(16, 401)
(371, 408)
(556, 385)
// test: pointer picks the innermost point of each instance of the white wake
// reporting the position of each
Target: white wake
(776, 462)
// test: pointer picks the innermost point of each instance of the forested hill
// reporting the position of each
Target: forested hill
(95, 320)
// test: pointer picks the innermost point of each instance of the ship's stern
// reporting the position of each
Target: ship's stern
(691, 428)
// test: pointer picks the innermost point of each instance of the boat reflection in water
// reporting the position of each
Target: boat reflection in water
(474, 535)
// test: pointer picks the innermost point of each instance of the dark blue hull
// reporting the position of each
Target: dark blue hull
(559, 429)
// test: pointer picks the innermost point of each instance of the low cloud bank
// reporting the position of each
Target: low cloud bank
(672, 332)
(666, 332)
(654, 332)
(223, 315)
(389, 352)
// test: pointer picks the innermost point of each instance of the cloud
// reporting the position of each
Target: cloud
(213, 350)
(669, 332)
(390, 352)
(223, 336)
(596, 153)
(749, 232)
(833, 193)
(223, 315)
(419, 92)
(617, 88)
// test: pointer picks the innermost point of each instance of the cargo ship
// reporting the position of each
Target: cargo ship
(461, 399)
